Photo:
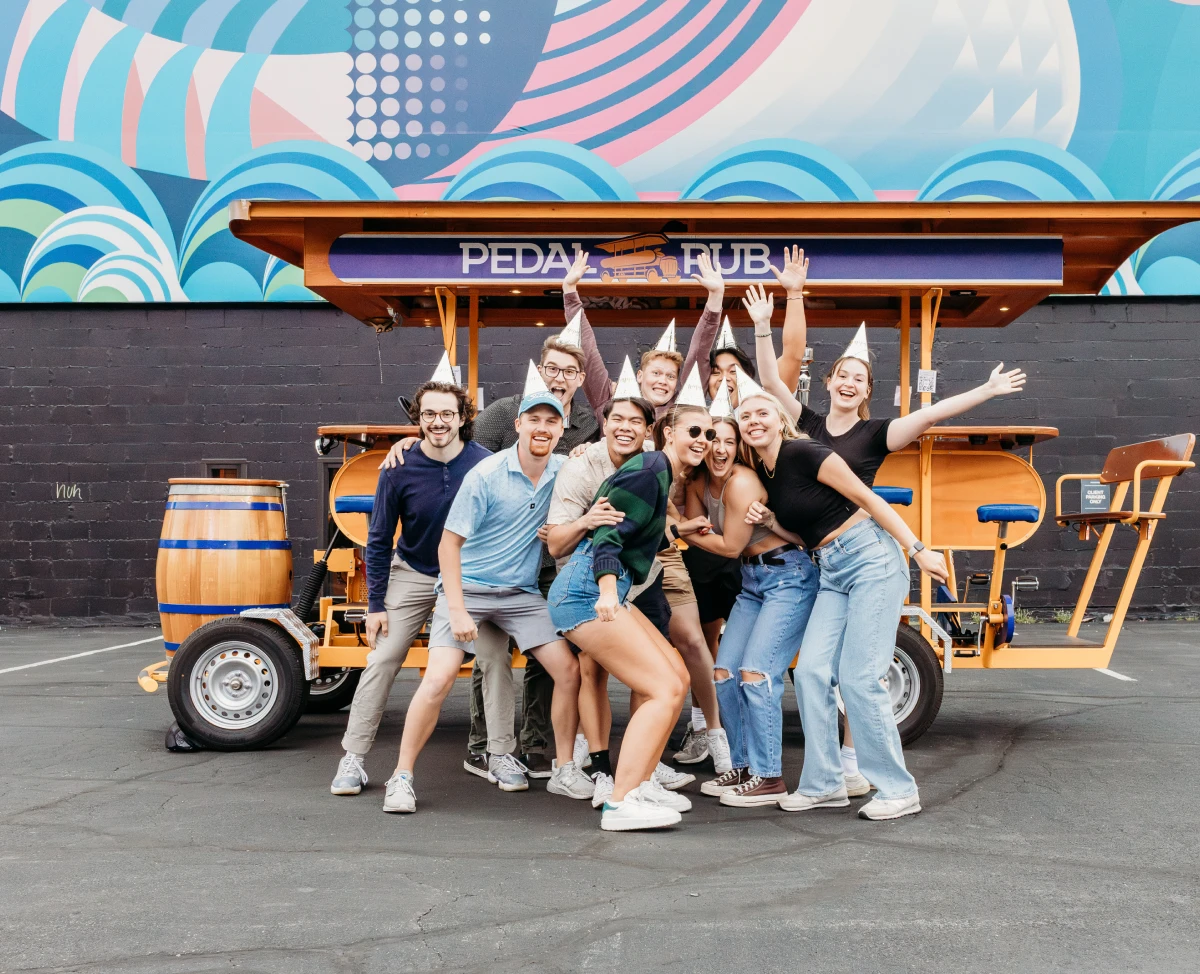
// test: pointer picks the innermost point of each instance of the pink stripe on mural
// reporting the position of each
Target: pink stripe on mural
(903, 195)
(635, 143)
(194, 133)
(420, 191)
(130, 116)
(575, 29)
(601, 122)
(552, 71)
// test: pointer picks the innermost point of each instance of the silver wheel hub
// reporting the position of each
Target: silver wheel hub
(903, 682)
(328, 680)
(233, 685)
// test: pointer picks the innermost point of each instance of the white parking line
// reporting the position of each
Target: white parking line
(90, 652)
(1114, 674)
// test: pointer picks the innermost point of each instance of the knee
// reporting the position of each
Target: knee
(437, 686)
(752, 676)
(567, 673)
(721, 675)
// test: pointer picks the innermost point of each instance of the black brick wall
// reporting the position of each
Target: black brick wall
(116, 400)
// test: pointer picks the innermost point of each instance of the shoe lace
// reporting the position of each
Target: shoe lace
(729, 777)
(506, 762)
(402, 782)
(350, 764)
(748, 785)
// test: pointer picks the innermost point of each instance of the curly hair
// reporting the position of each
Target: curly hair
(466, 408)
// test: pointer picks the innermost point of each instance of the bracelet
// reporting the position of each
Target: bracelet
(801, 298)
(766, 335)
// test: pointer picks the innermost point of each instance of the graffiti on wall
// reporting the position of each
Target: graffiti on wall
(127, 126)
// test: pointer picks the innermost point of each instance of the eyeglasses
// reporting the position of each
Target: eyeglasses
(694, 432)
(446, 415)
(553, 372)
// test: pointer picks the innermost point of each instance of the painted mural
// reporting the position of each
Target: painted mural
(127, 126)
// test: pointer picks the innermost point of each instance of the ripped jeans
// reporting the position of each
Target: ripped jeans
(762, 635)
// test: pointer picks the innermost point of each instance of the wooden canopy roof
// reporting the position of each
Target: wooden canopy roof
(1094, 238)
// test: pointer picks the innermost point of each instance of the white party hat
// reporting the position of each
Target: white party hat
(725, 337)
(746, 386)
(573, 334)
(534, 384)
(444, 372)
(627, 384)
(858, 347)
(692, 393)
(721, 406)
(667, 342)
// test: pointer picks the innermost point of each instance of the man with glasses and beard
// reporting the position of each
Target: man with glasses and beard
(401, 580)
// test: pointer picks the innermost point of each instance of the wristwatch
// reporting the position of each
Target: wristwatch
(674, 529)
(917, 546)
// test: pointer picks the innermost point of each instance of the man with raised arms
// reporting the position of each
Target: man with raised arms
(490, 556)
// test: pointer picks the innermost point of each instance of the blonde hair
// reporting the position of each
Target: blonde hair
(787, 428)
(864, 407)
(650, 356)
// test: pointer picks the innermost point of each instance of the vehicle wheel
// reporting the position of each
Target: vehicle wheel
(237, 684)
(332, 690)
(652, 276)
(915, 683)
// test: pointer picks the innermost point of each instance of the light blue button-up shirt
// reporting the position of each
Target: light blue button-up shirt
(499, 511)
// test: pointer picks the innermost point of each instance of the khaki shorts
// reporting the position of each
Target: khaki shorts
(677, 584)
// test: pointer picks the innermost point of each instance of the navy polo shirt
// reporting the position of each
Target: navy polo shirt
(418, 496)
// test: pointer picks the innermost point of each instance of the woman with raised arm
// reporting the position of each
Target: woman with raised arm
(777, 584)
(850, 637)
(588, 605)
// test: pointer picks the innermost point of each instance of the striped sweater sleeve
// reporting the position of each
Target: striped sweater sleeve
(639, 490)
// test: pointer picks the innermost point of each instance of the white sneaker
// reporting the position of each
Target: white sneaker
(671, 779)
(350, 777)
(880, 809)
(603, 788)
(857, 785)
(570, 782)
(400, 796)
(635, 812)
(694, 748)
(507, 773)
(718, 747)
(652, 791)
(796, 802)
(580, 753)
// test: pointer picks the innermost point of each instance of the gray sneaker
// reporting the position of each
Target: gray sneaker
(507, 772)
(694, 748)
(570, 782)
(350, 777)
(400, 796)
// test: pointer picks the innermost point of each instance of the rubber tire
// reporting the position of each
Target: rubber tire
(929, 668)
(271, 641)
(332, 701)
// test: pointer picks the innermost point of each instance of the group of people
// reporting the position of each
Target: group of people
(556, 518)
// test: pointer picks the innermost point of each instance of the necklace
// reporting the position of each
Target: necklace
(769, 472)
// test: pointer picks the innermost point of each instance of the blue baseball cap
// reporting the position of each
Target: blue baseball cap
(541, 399)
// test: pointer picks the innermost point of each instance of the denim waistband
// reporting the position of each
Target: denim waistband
(843, 540)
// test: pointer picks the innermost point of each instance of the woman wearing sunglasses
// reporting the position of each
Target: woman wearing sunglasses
(588, 606)
(777, 586)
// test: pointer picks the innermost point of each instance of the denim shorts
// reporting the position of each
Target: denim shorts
(574, 593)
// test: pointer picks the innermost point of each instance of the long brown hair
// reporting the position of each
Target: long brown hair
(660, 440)
(864, 407)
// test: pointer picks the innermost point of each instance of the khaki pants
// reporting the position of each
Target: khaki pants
(409, 601)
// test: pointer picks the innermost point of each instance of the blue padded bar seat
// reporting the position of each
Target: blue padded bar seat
(895, 495)
(1007, 512)
(355, 504)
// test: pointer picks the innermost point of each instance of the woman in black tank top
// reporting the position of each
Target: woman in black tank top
(848, 429)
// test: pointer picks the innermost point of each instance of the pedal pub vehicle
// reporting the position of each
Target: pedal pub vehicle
(241, 660)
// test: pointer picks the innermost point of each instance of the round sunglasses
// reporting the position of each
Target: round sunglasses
(710, 434)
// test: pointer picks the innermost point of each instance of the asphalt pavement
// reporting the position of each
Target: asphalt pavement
(1060, 833)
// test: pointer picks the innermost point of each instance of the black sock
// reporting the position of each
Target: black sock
(600, 762)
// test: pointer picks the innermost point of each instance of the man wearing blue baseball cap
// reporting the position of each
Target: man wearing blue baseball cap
(490, 556)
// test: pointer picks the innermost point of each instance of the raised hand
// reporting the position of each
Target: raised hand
(578, 270)
(1005, 383)
(709, 277)
(795, 270)
(760, 305)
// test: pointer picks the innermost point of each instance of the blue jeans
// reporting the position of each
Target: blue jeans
(761, 636)
(850, 642)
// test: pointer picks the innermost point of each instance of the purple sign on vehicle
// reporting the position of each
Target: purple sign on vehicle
(656, 258)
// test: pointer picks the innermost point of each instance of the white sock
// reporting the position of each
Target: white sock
(715, 733)
(698, 721)
(849, 761)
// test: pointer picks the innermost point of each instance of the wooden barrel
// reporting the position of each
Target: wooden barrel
(224, 548)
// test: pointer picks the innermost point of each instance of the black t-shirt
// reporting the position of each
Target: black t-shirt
(863, 446)
(801, 503)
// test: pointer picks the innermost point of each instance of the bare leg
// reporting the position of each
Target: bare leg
(633, 651)
(563, 668)
(426, 704)
(595, 710)
(688, 637)
(712, 635)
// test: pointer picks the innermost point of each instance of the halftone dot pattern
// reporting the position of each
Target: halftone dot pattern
(380, 116)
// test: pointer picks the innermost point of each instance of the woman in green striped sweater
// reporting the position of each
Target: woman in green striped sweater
(588, 606)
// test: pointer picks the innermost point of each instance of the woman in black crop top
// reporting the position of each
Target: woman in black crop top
(848, 429)
(849, 637)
